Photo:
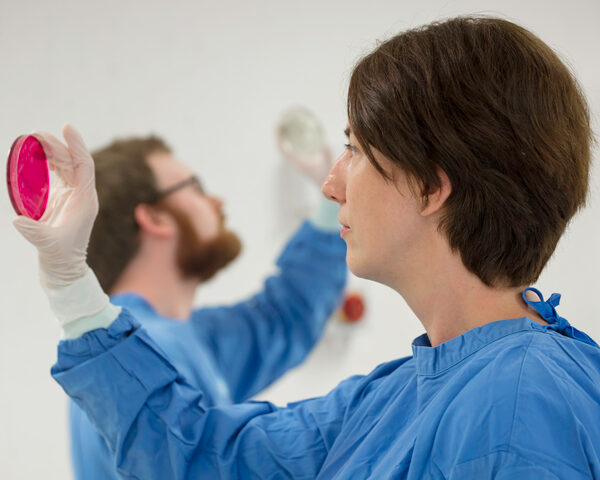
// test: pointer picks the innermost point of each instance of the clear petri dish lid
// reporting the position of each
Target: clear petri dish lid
(28, 177)
(303, 130)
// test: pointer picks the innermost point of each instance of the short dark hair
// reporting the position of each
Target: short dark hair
(495, 108)
(124, 180)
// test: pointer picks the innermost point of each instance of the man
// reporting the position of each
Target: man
(157, 237)
(468, 153)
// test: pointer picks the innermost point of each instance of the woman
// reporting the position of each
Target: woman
(468, 153)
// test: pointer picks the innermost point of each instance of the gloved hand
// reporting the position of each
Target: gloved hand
(61, 237)
(315, 165)
(62, 234)
(301, 139)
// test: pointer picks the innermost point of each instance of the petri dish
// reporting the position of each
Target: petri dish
(303, 130)
(28, 177)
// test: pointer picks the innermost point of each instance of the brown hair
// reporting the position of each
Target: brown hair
(494, 107)
(123, 180)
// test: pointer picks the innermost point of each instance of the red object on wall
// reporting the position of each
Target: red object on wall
(354, 307)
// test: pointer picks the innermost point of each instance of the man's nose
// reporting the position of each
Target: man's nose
(216, 202)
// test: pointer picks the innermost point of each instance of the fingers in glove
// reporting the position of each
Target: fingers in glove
(58, 156)
(34, 232)
(84, 165)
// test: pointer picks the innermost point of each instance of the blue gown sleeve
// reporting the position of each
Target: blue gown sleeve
(256, 341)
(90, 456)
(158, 427)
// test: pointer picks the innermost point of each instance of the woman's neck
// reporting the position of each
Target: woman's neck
(449, 300)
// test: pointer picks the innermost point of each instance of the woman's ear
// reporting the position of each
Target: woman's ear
(154, 221)
(434, 201)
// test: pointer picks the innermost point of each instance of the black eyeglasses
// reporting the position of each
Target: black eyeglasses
(193, 181)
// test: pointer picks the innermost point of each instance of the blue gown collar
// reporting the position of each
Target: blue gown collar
(434, 360)
(132, 300)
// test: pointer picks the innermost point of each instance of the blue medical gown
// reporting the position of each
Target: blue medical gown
(231, 353)
(513, 399)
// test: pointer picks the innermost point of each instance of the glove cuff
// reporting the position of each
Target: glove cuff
(102, 319)
(325, 216)
(82, 298)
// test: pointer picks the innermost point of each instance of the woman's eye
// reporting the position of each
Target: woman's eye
(350, 148)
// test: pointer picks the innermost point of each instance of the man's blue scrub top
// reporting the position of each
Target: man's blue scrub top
(513, 399)
(233, 352)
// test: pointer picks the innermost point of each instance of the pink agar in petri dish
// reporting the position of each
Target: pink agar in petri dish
(28, 177)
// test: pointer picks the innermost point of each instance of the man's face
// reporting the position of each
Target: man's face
(205, 246)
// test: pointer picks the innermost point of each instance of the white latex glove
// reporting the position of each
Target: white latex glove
(316, 165)
(314, 159)
(61, 236)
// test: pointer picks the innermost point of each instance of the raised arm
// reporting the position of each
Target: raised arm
(258, 340)
(150, 416)
(156, 423)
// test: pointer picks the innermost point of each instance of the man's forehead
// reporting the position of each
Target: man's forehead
(168, 169)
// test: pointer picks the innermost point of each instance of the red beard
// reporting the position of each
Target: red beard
(202, 259)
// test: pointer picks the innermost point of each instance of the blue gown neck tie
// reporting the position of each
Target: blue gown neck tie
(547, 309)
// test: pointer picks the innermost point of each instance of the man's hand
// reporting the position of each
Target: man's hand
(62, 234)
(301, 140)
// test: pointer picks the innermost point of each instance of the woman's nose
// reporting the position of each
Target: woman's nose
(334, 187)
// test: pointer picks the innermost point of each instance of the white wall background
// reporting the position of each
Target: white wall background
(212, 77)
